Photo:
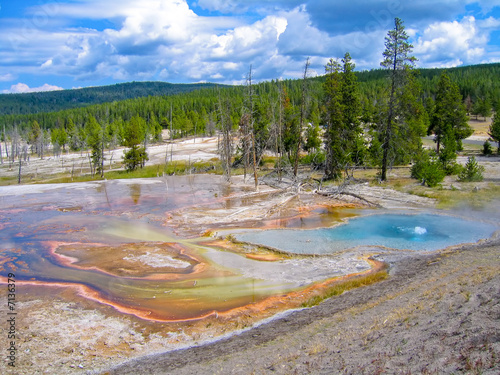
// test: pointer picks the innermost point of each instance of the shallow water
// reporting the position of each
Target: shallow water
(112, 242)
(401, 231)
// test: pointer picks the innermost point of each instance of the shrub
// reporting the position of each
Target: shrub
(453, 169)
(472, 171)
(134, 158)
(316, 159)
(487, 149)
(428, 170)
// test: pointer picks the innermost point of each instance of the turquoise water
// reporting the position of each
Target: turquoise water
(425, 232)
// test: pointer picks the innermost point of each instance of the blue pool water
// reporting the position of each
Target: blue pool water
(425, 232)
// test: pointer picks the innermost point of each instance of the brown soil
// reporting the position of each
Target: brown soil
(436, 314)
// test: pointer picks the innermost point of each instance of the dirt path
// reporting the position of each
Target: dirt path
(437, 314)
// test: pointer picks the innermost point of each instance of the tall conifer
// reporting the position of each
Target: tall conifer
(399, 62)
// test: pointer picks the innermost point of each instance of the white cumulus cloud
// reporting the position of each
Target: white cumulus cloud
(452, 43)
(166, 39)
(21, 88)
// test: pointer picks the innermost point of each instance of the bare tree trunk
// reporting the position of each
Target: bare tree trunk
(102, 157)
(279, 147)
(256, 179)
(388, 129)
(171, 130)
(5, 142)
(91, 165)
(12, 149)
(111, 159)
(225, 146)
(252, 128)
(302, 118)
(19, 175)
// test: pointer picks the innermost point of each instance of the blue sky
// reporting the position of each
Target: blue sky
(47, 45)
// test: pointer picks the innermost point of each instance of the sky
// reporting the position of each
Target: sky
(63, 44)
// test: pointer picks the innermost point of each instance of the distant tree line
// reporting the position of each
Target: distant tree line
(54, 101)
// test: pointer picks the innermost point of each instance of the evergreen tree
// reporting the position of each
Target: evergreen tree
(449, 120)
(72, 131)
(482, 107)
(351, 113)
(155, 127)
(344, 146)
(472, 172)
(485, 108)
(313, 141)
(495, 130)
(413, 122)
(35, 138)
(62, 138)
(133, 136)
(95, 140)
(335, 152)
(398, 62)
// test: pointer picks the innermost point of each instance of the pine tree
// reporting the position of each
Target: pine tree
(343, 146)
(351, 113)
(134, 134)
(333, 119)
(95, 140)
(449, 120)
(495, 130)
(35, 137)
(313, 141)
(398, 62)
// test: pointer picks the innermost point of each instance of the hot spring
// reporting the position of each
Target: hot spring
(421, 232)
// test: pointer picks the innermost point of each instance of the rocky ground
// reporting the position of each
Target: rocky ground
(77, 163)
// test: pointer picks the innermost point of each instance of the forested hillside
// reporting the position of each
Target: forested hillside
(342, 119)
(476, 83)
(65, 99)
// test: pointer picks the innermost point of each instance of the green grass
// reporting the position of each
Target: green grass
(177, 167)
(343, 286)
(450, 198)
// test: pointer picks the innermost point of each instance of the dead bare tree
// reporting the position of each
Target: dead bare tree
(19, 174)
(244, 127)
(279, 139)
(302, 117)
(225, 146)
(248, 145)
